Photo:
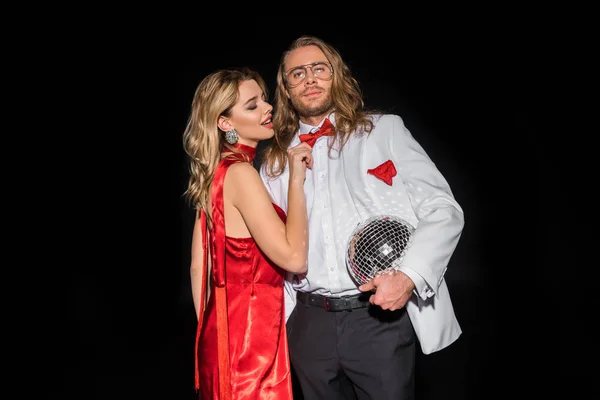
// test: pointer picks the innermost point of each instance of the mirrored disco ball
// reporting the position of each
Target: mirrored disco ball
(377, 244)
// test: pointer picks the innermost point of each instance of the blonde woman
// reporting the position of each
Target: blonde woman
(242, 243)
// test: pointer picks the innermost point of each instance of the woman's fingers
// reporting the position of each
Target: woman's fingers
(303, 153)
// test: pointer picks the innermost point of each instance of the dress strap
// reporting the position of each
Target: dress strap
(202, 297)
(219, 278)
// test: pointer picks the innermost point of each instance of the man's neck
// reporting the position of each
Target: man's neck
(314, 120)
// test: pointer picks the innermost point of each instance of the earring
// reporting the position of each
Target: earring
(231, 136)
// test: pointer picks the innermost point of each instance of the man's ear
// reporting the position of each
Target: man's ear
(224, 124)
(287, 93)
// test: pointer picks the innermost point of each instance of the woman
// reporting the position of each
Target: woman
(242, 243)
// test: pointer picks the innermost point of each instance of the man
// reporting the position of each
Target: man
(364, 165)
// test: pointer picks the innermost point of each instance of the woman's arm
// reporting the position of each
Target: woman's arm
(284, 244)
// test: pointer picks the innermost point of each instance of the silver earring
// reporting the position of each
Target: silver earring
(231, 136)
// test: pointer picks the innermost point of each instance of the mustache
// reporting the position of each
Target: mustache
(312, 89)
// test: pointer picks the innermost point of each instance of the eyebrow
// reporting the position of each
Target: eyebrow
(301, 66)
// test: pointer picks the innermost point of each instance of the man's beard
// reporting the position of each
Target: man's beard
(312, 110)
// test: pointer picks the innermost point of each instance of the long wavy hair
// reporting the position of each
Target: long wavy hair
(348, 105)
(203, 141)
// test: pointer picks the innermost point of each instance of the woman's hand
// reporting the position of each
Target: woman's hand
(299, 158)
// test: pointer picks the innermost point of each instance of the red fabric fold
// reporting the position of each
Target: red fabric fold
(202, 297)
(385, 172)
(218, 258)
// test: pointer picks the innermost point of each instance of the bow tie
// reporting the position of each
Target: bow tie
(327, 129)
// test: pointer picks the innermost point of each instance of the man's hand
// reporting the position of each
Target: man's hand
(392, 290)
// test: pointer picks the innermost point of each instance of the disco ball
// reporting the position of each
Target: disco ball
(376, 245)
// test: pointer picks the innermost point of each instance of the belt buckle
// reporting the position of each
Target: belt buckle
(325, 303)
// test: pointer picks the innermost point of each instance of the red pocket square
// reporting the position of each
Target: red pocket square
(385, 172)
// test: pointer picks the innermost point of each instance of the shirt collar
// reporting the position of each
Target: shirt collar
(305, 128)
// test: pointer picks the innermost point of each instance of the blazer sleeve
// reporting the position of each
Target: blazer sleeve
(440, 217)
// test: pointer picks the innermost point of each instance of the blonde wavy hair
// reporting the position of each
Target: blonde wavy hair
(348, 104)
(203, 141)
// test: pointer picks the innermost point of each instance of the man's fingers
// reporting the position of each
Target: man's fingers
(367, 286)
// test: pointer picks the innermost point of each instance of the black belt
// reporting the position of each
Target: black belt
(347, 303)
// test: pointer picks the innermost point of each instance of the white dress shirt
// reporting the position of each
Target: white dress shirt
(340, 195)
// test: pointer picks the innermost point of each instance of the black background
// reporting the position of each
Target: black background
(467, 95)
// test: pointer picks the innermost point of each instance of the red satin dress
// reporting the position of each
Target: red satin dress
(251, 289)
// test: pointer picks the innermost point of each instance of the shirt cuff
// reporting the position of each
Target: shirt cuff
(421, 289)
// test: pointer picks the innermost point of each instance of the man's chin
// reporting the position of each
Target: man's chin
(314, 110)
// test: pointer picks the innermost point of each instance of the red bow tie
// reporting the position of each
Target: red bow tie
(327, 129)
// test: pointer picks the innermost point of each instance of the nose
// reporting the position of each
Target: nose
(268, 109)
(310, 76)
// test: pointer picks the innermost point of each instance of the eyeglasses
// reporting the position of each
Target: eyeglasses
(319, 69)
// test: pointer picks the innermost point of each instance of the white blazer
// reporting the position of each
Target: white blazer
(418, 193)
